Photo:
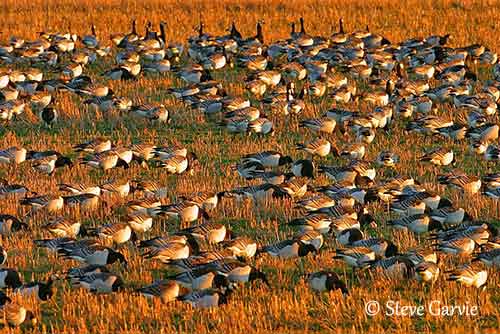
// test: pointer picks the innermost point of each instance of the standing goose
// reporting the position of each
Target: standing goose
(48, 115)
(90, 41)
(339, 37)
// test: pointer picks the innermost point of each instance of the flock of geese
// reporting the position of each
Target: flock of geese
(431, 88)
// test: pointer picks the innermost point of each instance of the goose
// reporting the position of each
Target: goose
(294, 188)
(462, 245)
(61, 228)
(92, 255)
(105, 160)
(166, 290)
(310, 238)
(146, 205)
(316, 202)
(199, 279)
(150, 189)
(186, 211)
(427, 272)
(319, 146)
(468, 275)
(268, 158)
(9, 278)
(248, 113)
(42, 290)
(48, 164)
(381, 247)
(91, 41)
(209, 232)
(117, 233)
(450, 215)
(97, 145)
(3, 256)
(50, 202)
(14, 155)
(459, 180)
(316, 222)
(303, 168)
(288, 249)
(439, 157)
(102, 282)
(205, 298)
(256, 193)
(159, 242)
(139, 222)
(82, 201)
(357, 257)
(169, 252)
(417, 223)
(79, 188)
(324, 280)
(421, 255)
(241, 247)
(14, 315)
(236, 271)
(490, 258)
(479, 233)
(339, 37)
(207, 200)
(152, 112)
(321, 125)
(261, 126)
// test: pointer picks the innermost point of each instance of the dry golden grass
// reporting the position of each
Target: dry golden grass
(289, 307)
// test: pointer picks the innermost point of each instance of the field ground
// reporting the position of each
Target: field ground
(289, 307)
